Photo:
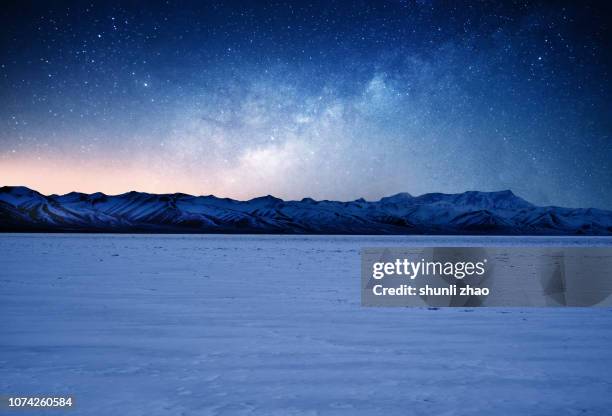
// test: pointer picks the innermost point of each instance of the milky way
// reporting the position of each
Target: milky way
(326, 100)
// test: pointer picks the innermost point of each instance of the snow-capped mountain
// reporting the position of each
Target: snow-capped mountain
(23, 209)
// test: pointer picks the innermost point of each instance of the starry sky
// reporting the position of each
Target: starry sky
(330, 100)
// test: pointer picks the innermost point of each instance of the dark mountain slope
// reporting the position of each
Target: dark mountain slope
(499, 213)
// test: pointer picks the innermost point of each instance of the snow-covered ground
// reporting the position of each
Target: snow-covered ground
(271, 325)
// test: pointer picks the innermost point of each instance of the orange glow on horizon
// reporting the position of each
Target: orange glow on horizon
(51, 176)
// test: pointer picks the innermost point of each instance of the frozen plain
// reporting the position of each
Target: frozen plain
(272, 325)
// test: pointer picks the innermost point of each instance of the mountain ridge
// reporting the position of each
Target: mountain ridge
(473, 212)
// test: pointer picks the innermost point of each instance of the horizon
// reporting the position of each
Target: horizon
(501, 191)
(468, 213)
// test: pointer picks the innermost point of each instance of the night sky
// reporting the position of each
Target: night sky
(327, 100)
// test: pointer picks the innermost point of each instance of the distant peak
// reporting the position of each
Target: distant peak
(505, 199)
(399, 197)
(17, 190)
(507, 192)
(133, 194)
(267, 198)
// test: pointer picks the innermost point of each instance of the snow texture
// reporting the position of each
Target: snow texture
(272, 325)
(493, 213)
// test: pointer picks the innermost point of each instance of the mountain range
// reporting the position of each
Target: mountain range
(495, 213)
